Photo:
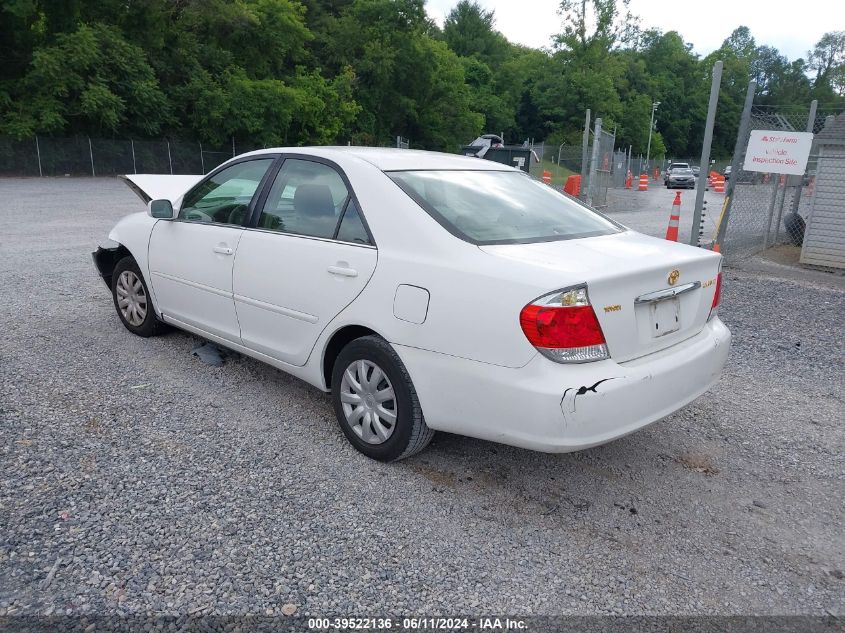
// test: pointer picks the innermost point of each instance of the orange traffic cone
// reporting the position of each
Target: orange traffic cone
(547, 177)
(629, 180)
(674, 219)
(655, 175)
(643, 183)
(719, 184)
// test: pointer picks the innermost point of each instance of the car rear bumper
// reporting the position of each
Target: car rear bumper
(551, 407)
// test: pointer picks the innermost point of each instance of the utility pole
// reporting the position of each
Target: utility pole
(650, 130)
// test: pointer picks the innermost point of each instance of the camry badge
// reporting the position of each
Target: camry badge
(673, 276)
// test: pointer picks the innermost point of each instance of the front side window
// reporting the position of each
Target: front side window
(224, 197)
(306, 198)
(500, 207)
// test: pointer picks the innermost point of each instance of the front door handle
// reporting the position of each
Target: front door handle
(343, 271)
(223, 250)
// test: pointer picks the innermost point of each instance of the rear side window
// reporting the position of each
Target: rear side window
(352, 227)
(500, 207)
(306, 199)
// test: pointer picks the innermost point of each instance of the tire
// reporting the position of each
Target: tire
(143, 320)
(409, 433)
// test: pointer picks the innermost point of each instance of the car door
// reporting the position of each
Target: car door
(306, 257)
(191, 257)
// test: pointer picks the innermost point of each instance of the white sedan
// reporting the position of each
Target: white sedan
(427, 292)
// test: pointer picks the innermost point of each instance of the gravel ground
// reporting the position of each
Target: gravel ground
(135, 479)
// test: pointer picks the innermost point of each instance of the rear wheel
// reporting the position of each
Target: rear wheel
(375, 401)
(132, 299)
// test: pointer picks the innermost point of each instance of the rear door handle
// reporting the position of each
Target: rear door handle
(223, 250)
(342, 271)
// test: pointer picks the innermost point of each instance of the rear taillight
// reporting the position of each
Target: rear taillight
(563, 326)
(717, 297)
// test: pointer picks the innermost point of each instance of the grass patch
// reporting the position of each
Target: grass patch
(559, 173)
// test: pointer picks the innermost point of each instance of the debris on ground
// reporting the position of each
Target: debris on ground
(211, 354)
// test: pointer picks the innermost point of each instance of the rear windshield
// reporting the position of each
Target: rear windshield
(500, 207)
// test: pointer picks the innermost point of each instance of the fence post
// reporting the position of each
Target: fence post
(780, 209)
(739, 149)
(772, 208)
(705, 151)
(585, 145)
(38, 152)
(91, 154)
(134, 167)
(796, 200)
(594, 161)
(169, 160)
(202, 160)
(233, 145)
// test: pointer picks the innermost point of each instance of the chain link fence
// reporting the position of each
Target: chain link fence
(770, 209)
(602, 164)
(84, 156)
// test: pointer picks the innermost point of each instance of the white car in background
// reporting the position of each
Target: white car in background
(426, 292)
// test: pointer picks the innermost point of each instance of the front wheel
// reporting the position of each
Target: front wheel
(375, 401)
(132, 299)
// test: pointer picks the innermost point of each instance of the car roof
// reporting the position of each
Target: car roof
(392, 159)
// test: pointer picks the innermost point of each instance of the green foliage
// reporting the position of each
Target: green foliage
(290, 72)
(469, 31)
(90, 80)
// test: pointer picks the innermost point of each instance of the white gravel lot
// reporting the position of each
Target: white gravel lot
(135, 479)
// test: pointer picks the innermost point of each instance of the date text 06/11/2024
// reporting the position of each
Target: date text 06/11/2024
(417, 624)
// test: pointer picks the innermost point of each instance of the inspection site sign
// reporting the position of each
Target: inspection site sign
(778, 152)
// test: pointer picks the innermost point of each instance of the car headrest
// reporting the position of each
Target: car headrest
(313, 201)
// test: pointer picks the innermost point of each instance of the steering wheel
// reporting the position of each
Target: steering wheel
(236, 215)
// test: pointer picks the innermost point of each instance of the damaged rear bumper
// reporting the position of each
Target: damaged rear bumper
(560, 408)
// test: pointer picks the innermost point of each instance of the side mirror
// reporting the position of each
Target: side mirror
(160, 209)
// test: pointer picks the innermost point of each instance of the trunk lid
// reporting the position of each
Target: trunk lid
(628, 280)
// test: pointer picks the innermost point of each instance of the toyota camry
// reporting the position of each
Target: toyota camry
(426, 292)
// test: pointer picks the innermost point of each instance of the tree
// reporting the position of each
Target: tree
(92, 81)
(828, 60)
(470, 31)
(406, 82)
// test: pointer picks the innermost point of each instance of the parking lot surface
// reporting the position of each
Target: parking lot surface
(134, 478)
